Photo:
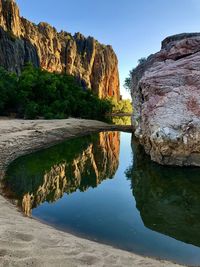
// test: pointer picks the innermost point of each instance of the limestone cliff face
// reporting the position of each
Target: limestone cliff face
(166, 98)
(99, 161)
(95, 65)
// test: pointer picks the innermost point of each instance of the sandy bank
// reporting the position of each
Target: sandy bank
(27, 242)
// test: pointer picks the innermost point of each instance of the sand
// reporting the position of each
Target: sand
(28, 242)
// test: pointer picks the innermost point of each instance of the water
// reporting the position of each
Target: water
(102, 187)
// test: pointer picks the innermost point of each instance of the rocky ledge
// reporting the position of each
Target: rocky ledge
(166, 99)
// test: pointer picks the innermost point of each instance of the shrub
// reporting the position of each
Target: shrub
(121, 106)
(31, 110)
(38, 93)
(128, 80)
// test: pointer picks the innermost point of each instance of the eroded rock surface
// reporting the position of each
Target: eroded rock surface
(95, 65)
(166, 98)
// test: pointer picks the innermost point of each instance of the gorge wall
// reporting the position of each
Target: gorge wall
(93, 64)
(166, 100)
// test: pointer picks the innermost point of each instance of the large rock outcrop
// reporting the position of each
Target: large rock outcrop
(166, 99)
(95, 65)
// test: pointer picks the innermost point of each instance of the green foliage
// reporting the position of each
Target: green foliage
(31, 110)
(128, 80)
(127, 83)
(38, 93)
(121, 106)
(142, 60)
(8, 95)
(121, 120)
(41, 162)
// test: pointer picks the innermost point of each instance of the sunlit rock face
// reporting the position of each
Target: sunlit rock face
(168, 198)
(166, 98)
(87, 166)
(95, 65)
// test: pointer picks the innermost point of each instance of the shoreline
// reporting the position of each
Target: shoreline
(28, 242)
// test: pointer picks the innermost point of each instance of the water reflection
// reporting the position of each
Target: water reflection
(160, 210)
(168, 198)
(74, 165)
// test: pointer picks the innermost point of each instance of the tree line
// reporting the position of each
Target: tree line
(37, 93)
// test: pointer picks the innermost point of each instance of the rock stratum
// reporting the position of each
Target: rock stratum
(166, 99)
(21, 41)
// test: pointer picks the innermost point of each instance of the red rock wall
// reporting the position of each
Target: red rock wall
(94, 64)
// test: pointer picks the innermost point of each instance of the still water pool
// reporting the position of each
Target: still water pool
(102, 187)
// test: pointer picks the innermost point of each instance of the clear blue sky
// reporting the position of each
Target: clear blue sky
(135, 28)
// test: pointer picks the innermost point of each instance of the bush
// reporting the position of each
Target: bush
(128, 80)
(8, 95)
(31, 110)
(121, 106)
(38, 93)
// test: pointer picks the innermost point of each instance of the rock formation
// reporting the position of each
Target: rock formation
(166, 99)
(95, 65)
(32, 186)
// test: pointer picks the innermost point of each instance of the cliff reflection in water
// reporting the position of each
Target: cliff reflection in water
(73, 165)
(168, 198)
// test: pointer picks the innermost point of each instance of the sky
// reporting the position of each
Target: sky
(134, 28)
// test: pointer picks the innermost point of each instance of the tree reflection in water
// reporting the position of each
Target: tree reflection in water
(167, 198)
(73, 165)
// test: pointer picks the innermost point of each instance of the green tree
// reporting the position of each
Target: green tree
(38, 93)
(121, 106)
(128, 80)
(8, 94)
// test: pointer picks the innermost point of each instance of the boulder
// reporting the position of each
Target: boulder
(166, 99)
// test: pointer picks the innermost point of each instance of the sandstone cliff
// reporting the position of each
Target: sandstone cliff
(166, 98)
(95, 65)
